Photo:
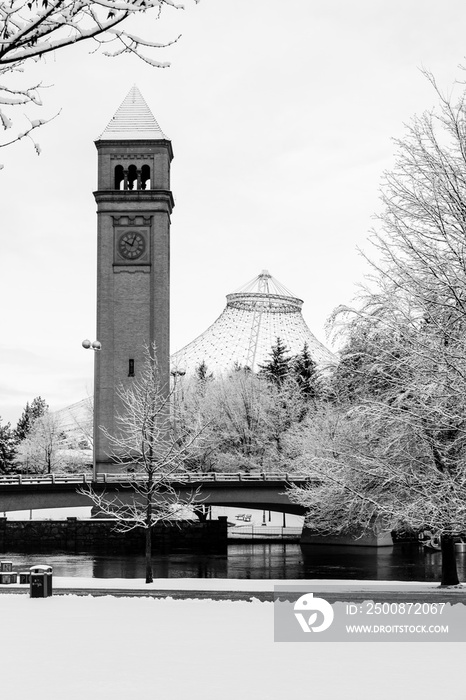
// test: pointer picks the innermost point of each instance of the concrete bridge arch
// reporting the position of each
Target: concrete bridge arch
(64, 491)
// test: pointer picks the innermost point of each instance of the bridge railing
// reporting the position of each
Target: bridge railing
(189, 477)
(20, 479)
(181, 477)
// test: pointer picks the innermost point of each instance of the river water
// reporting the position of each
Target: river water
(402, 562)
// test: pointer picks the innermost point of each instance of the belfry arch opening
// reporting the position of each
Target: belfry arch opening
(145, 177)
(132, 177)
(119, 178)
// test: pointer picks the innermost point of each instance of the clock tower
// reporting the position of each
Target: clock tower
(134, 203)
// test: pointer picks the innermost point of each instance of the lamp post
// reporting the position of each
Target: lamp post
(177, 373)
(96, 346)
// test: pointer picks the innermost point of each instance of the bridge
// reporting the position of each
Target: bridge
(263, 491)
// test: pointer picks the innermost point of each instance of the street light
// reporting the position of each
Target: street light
(96, 346)
(177, 374)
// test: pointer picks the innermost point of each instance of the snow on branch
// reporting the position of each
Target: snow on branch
(32, 28)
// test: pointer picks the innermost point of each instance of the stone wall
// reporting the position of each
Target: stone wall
(99, 535)
(357, 539)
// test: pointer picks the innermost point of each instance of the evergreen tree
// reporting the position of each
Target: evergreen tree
(373, 360)
(203, 376)
(7, 448)
(305, 373)
(31, 413)
(278, 368)
(237, 367)
(202, 372)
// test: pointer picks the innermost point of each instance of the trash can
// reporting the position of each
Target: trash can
(40, 584)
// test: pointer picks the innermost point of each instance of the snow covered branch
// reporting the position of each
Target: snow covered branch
(389, 451)
(30, 29)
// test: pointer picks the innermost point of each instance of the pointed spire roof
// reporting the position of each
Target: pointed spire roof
(133, 120)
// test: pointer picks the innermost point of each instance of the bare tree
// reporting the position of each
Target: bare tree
(152, 446)
(239, 407)
(397, 456)
(30, 29)
(251, 421)
(41, 451)
(248, 418)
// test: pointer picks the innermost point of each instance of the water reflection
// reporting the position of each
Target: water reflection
(404, 562)
(179, 564)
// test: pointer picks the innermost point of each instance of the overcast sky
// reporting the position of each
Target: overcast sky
(281, 117)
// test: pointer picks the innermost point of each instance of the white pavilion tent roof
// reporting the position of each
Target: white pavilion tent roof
(244, 333)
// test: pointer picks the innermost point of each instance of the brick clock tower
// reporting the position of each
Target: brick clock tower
(134, 203)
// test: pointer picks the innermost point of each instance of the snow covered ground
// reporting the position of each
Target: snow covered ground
(85, 648)
(225, 584)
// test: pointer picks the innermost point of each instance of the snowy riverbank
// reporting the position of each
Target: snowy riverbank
(219, 584)
(115, 648)
(223, 585)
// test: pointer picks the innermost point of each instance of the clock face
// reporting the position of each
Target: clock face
(131, 245)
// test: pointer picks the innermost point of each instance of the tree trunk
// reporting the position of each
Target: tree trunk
(150, 488)
(201, 512)
(449, 572)
(149, 577)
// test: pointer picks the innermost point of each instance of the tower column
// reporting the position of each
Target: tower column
(133, 257)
